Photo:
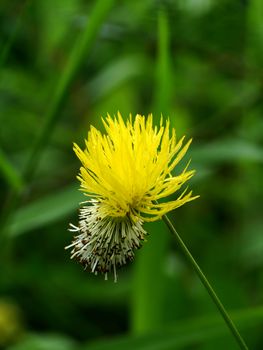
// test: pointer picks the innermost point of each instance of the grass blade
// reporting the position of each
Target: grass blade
(78, 55)
(10, 174)
(191, 332)
(149, 280)
(42, 212)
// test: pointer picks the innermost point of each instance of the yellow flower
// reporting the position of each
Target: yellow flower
(125, 172)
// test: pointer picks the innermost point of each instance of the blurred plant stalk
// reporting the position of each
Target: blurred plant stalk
(147, 310)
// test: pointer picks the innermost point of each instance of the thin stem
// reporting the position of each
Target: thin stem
(78, 56)
(207, 285)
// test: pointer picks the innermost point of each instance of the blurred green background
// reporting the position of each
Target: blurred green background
(65, 63)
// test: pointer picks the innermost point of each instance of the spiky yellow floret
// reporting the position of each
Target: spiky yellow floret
(128, 169)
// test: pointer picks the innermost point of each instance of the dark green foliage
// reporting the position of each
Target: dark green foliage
(65, 63)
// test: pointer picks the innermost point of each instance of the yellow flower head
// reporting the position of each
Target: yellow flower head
(125, 172)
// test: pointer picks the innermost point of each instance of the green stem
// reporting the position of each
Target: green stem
(78, 56)
(207, 285)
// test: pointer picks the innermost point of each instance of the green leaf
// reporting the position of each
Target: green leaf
(183, 334)
(10, 174)
(255, 29)
(122, 70)
(45, 342)
(228, 150)
(45, 210)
